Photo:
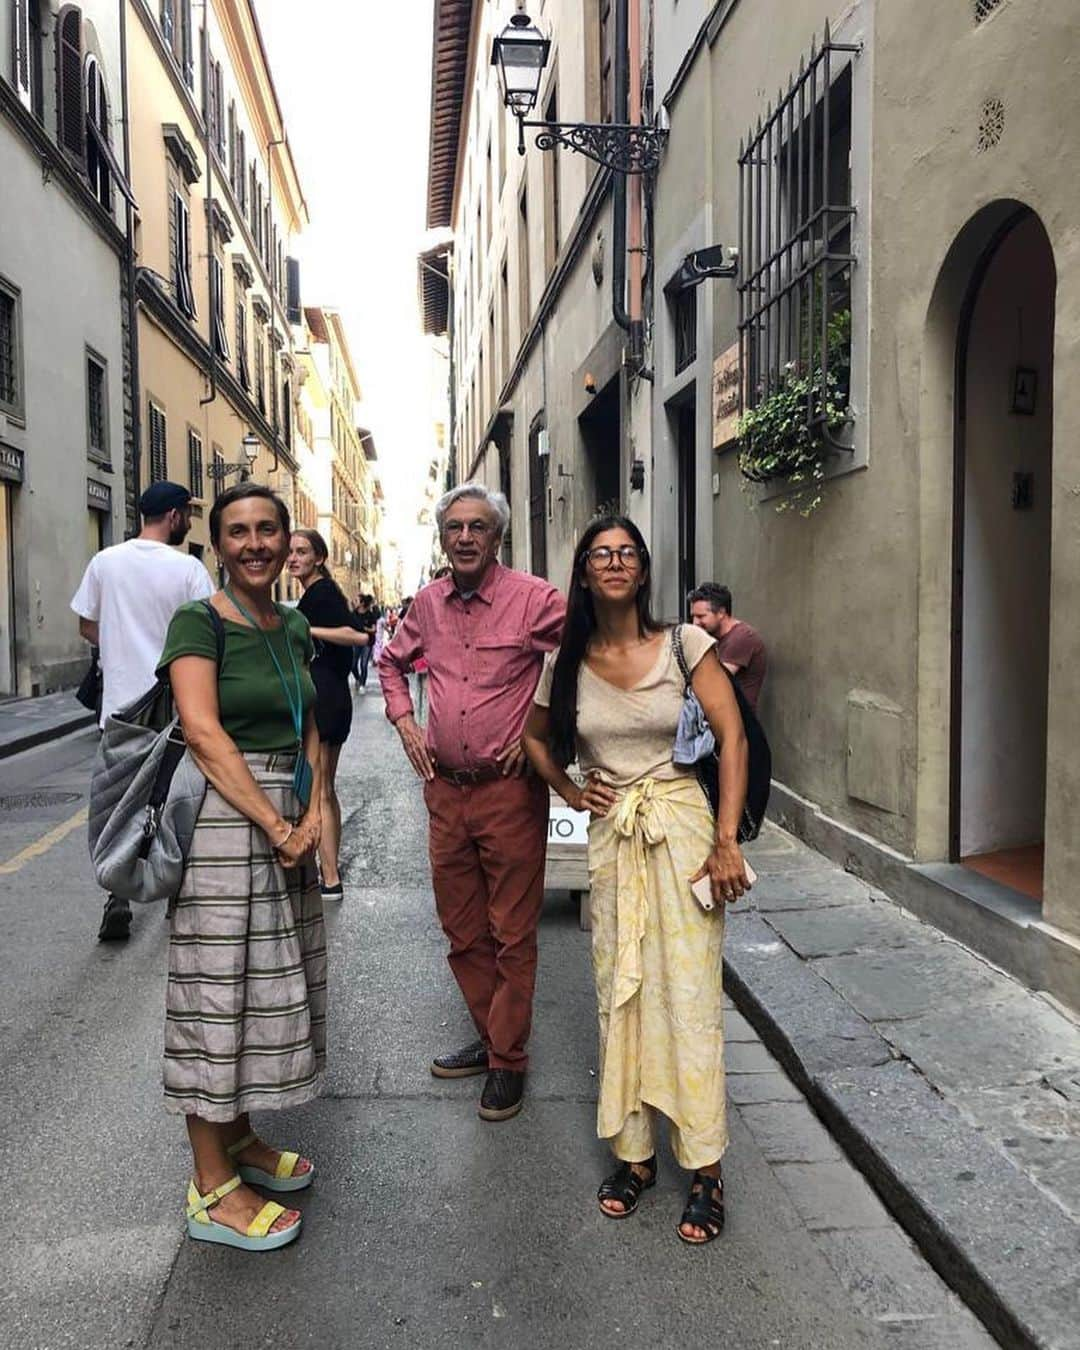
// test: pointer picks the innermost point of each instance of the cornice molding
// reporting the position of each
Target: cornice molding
(181, 152)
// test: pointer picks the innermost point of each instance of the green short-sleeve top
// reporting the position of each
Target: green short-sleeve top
(253, 706)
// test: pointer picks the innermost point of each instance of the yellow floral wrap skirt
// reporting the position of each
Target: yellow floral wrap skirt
(657, 958)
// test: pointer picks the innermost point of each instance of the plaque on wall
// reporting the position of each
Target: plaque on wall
(725, 397)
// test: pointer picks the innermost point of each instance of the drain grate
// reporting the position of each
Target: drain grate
(37, 801)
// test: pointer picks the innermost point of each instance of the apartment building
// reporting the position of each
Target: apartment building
(894, 178)
(540, 407)
(64, 422)
(342, 469)
(217, 284)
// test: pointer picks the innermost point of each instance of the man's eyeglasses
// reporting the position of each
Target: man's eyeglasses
(629, 555)
(479, 529)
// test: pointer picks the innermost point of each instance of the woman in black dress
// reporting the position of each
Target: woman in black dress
(327, 612)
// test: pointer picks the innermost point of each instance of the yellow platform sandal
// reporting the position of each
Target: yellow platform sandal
(258, 1237)
(284, 1178)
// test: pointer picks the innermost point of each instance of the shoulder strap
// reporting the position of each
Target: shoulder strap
(680, 657)
(219, 631)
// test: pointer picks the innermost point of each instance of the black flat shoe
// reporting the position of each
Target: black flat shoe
(116, 921)
(704, 1209)
(625, 1186)
(463, 1063)
(502, 1095)
(335, 892)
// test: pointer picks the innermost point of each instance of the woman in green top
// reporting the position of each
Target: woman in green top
(245, 1025)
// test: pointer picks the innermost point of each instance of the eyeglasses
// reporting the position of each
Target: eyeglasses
(479, 529)
(629, 555)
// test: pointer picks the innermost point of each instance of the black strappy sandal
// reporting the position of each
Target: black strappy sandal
(625, 1186)
(704, 1209)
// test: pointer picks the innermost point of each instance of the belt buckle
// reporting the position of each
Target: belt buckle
(465, 777)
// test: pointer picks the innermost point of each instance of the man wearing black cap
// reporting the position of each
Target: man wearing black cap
(127, 596)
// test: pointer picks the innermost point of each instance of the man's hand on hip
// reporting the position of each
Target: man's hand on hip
(512, 761)
(412, 738)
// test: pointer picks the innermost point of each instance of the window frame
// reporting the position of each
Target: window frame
(196, 474)
(100, 454)
(15, 410)
(183, 289)
(95, 90)
(157, 453)
(217, 307)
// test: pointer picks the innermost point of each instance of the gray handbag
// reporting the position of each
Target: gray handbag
(145, 795)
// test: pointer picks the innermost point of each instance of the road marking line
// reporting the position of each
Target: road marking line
(35, 850)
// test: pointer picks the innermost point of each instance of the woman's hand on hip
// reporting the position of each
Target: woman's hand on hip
(726, 869)
(595, 797)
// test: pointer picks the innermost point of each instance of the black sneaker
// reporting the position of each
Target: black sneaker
(116, 921)
(463, 1063)
(502, 1095)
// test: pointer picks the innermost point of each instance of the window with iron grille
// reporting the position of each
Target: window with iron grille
(984, 8)
(157, 433)
(796, 216)
(97, 421)
(11, 395)
(195, 463)
(684, 327)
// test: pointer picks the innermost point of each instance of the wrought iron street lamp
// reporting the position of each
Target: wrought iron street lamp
(520, 53)
(250, 445)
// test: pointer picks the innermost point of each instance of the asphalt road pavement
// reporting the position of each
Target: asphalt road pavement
(426, 1227)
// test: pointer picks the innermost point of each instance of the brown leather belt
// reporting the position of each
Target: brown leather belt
(469, 777)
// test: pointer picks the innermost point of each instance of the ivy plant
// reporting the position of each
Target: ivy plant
(784, 437)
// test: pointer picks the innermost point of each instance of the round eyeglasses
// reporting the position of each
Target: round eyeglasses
(628, 555)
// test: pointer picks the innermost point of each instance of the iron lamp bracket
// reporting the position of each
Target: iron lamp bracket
(619, 146)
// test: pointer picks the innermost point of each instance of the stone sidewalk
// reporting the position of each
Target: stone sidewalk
(26, 722)
(954, 1089)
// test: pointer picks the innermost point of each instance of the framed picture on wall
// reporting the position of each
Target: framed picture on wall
(1025, 385)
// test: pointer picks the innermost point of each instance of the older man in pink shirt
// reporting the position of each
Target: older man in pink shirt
(483, 632)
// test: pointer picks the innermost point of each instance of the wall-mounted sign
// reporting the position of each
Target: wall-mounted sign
(725, 397)
(98, 495)
(11, 463)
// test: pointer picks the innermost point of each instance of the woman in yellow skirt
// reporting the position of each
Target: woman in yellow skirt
(610, 699)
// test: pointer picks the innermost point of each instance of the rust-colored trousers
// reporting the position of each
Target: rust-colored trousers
(487, 844)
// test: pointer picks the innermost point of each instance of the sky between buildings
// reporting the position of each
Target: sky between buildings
(354, 80)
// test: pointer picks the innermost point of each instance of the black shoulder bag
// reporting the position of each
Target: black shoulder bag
(759, 767)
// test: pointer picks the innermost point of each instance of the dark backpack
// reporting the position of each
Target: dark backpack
(759, 766)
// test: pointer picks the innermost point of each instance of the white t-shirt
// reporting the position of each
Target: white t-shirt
(132, 591)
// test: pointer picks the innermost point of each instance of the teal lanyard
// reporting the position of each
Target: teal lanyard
(295, 707)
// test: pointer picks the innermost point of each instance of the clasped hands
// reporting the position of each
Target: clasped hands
(302, 839)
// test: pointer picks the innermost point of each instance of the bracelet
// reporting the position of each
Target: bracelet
(288, 835)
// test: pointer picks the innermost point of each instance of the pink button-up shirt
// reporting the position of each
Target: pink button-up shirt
(484, 658)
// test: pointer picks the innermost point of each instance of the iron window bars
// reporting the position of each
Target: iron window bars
(795, 219)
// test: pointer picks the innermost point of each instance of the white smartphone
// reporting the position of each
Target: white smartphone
(703, 889)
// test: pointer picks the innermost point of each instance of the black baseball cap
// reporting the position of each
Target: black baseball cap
(161, 498)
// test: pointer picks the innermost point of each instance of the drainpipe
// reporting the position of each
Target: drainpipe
(129, 268)
(207, 96)
(618, 225)
(635, 252)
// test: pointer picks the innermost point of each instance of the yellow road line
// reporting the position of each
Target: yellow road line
(42, 845)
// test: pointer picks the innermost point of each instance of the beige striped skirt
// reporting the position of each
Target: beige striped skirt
(245, 1014)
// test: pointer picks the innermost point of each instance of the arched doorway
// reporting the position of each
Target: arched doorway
(1001, 553)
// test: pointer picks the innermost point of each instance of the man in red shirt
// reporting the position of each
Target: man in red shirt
(739, 646)
(483, 631)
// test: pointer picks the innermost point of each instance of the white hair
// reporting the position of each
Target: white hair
(479, 492)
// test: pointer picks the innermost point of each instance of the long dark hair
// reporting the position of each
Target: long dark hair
(322, 554)
(578, 630)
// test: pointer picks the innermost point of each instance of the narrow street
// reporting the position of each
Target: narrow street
(426, 1227)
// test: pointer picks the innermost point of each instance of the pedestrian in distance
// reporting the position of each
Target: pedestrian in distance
(335, 639)
(245, 1020)
(125, 600)
(611, 700)
(365, 619)
(740, 647)
(483, 631)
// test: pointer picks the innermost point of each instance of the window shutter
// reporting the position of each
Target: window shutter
(232, 145)
(187, 49)
(168, 22)
(20, 49)
(292, 303)
(70, 114)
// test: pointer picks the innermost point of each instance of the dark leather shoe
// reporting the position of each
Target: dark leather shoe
(463, 1063)
(116, 921)
(502, 1095)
